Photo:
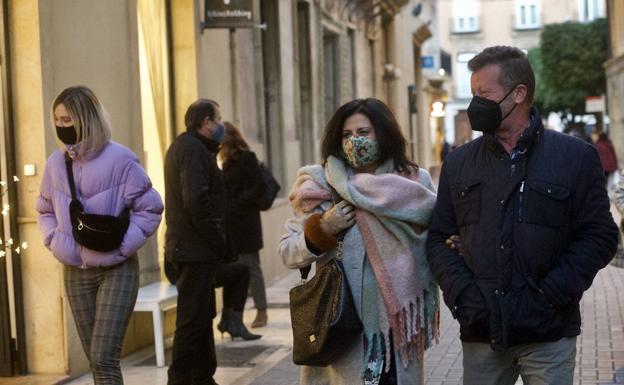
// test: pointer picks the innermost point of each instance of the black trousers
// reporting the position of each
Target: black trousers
(234, 278)
(194, 360)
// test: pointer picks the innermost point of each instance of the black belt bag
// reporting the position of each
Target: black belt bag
(93, 231)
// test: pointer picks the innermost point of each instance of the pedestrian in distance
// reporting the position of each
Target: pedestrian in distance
(101, 286)
(385, 206)
(532, 216)
(244, 185)
(195, 239)
(608, 157)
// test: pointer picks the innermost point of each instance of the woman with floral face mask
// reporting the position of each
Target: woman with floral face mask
(380, 204)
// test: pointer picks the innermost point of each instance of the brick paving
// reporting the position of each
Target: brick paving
(600, 349)
(601, 344)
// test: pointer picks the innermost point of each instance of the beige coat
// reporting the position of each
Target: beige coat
(348, 369)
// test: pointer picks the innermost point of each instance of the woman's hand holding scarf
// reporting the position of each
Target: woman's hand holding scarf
(339, 217)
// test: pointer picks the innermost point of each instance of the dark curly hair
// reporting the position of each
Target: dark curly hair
(391, 141)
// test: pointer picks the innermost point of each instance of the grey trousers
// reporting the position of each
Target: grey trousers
(546, 363)
(102, 300)
(256, 279)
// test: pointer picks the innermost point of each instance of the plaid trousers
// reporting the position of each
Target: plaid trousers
(102, 300)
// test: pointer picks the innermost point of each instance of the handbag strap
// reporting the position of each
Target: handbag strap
(70, 175)
(336, 198)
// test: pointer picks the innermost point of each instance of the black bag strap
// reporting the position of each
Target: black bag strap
(336, 198)
(70, 175)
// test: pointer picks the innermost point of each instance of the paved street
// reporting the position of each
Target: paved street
(600, 359)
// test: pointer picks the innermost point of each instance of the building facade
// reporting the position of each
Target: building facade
(615, 76)
(279, 79)
(472, 25)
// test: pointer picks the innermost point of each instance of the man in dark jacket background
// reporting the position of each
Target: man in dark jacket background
(534, 226)
(195, 243)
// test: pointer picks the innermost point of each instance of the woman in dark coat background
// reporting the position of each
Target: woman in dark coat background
(608, 158)
(244, 186)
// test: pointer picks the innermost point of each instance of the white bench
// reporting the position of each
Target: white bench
(156, 298)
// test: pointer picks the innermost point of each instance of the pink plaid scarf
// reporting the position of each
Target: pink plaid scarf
(393, 212)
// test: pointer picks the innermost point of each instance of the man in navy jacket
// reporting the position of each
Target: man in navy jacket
(534, 226)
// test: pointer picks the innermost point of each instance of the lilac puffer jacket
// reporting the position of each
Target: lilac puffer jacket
(106, 184)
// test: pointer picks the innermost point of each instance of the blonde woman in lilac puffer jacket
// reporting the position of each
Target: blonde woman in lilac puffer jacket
(101, 287)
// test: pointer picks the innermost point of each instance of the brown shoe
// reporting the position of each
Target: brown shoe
(261, 319)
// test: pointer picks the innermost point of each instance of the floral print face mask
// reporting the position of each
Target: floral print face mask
(361, 151)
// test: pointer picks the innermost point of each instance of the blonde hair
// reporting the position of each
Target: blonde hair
(91, 123)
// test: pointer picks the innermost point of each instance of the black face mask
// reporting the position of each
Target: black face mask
(67, 135)
(485, 114)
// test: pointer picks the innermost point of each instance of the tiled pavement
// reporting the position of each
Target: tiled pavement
(600, 347)
(600, 358)
(601, 343)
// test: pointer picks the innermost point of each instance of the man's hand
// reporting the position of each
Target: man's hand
(454, 242)
(340, 217)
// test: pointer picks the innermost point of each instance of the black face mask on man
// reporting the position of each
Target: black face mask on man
(485, 114)
(67, 135)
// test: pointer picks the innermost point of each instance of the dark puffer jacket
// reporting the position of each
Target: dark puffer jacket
(243, 183)
(534, 231)
(195, 201)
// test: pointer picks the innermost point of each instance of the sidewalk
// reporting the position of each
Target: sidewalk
(600, 357)
(240, 362)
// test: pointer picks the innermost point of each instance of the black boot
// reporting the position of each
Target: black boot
(237, 328)
(223, 325)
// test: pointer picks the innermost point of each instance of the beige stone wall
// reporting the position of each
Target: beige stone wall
(615, 77)
(616, 15)
(214, 73)
(497, 19)
(42, 280)
(184, 20)
(404, 27)
(290, 146)
(364, 66)
(615, 92)
(49, 55)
